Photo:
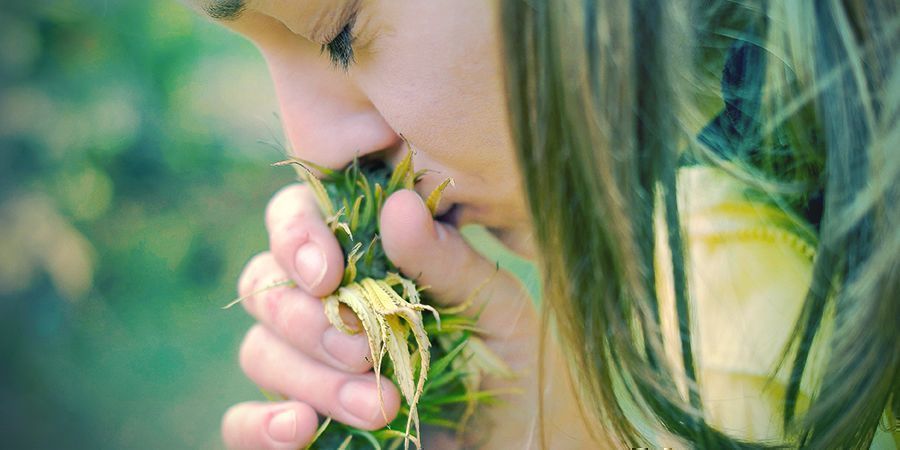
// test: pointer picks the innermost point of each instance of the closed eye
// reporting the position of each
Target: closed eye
(340, 48)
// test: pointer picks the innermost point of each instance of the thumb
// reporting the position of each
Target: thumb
(435, 254)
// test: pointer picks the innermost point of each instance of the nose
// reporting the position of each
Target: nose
(327, 118)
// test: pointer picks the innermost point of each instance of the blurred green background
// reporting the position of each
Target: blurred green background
(132, 188)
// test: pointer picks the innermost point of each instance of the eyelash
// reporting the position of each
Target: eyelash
(340, 49)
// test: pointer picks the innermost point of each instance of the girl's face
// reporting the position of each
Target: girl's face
(429, 70)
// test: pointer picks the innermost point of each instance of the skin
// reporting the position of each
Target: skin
(429, 70)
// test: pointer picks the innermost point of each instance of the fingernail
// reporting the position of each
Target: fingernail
(310, 265)
(360, 399)
(283, 426)
(341, 347)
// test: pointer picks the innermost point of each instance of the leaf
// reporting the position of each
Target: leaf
(318, 188)
(350, 269)
(370, 252)
(489, 396)
(369, 208)
(367, 436)
(272, 396)
(398, 350)
(394, 434)
(441, 364)
(452, 326)
(390, 309)
(277, 284)
(409, 288)
(319, 432)
(335, 224)
(374, 326)
(419, 175)
(332, 306)
(434, 198)
(401, 173)
(306, 164)
(346, 444)
(379, 196)
(409, 182)
(437, 421)
(354, 213)
(436, 382)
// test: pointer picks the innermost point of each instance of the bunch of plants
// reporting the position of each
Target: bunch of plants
(434, 355)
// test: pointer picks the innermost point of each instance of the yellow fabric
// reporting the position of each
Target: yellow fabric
(747, 279)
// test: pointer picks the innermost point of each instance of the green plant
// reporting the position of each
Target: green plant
(436, 358)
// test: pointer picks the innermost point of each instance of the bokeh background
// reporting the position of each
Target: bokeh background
(135, 143)
(132, 188)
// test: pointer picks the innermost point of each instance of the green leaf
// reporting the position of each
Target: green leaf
(367, 436)
(441, 364)
(319, 432)
(401, 173)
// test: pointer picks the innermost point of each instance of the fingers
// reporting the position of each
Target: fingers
(349, 398)
(256, 425)
(299, 318)
(301, 241)
(436, 255)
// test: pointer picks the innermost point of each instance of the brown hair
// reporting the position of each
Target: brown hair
(601, 95)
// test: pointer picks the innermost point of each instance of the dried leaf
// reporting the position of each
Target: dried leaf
(332, 306)
(401, 173)
(434, 198)
(319, 432)
(346, 444)
(350, 267)
(370, 252)
(379, 197)
(354, 213)
(326, 172)
(303, 172)
(374, 325)
(277, 284)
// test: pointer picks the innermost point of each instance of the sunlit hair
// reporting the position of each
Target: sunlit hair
(603, 97)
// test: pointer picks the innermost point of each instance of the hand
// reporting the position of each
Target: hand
(296, 352)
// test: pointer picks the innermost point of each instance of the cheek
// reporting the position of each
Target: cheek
(435, 76)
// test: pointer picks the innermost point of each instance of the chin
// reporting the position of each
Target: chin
(516, 238)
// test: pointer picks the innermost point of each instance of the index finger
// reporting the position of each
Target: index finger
(302, 243)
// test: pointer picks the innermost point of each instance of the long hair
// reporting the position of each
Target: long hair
(604, 99)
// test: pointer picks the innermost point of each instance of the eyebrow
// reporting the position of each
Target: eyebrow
(225, 9)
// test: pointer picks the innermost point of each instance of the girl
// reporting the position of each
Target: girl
(709, 189)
